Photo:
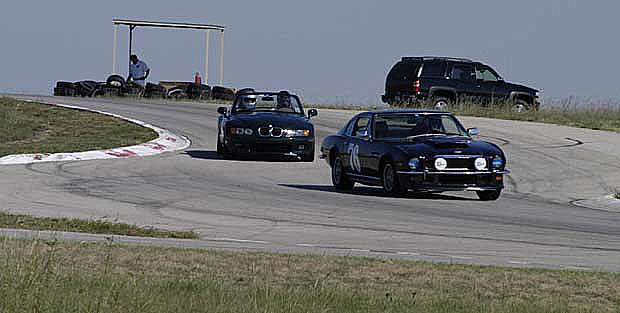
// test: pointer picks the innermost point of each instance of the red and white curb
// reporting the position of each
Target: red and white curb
(166, 142)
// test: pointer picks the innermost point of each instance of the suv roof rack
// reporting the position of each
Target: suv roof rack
(436, 58)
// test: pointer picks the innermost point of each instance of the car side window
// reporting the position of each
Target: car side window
(434, 69)
(361, 127)
(464, 72)
(486, 74)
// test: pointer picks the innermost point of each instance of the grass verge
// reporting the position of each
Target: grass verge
(27, 127)
(50, 276)
(592, 117)
(18, 221)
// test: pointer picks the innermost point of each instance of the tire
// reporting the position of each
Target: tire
(389, 181)
(65, 85)
(177, 93)
(222, 93)
(132, 89)
(86, 88)
(339, 179)
(520, 106)
(489, 195)
(115, 81)
(220, 148)
(154, 91)
(442, 103)
(308, 157)
(197, 92)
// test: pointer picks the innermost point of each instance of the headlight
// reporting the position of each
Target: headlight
(238, 131)
(498, 162)
(414, 163)
(441, 164)
(480, 164)
(296, 132)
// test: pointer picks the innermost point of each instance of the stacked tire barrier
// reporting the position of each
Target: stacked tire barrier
(117, 86)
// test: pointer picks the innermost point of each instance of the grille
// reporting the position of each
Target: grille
(276, 132)
(459, 162)
(462, 180)
(270, 131)
(263, 131)
(277, 148)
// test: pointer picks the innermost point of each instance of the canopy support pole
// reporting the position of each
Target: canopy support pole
(115, 46)
(222, 59)
(206, 74)
(131, 28)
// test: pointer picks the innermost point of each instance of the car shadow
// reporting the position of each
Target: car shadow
(204, 154)
(212, 155)
(378, 192)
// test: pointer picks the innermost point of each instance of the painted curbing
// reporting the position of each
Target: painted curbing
(166, 142)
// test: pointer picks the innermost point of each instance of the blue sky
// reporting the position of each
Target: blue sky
(327, 51)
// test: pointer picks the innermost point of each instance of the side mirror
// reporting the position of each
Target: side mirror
(222, 110)
(312, 113)
(473, 131)
(361, 133)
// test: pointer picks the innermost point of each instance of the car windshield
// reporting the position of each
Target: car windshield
(274, 102)
(413, 125)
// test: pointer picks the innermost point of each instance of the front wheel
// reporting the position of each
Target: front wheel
(489, 195)
(307, 157)
(520, 106)
(389, 180)
(339, 178)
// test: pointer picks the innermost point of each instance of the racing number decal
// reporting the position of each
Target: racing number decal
(354, 152)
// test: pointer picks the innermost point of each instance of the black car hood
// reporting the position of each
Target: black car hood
(428, 146)
(260, 119)
(517, 87)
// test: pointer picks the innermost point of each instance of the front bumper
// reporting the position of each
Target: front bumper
(452, 180)
(293, 148)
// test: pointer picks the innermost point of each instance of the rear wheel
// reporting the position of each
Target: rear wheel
(441, 103)
(339, 178)
(220, 148)
(390, 182)
(489, 195)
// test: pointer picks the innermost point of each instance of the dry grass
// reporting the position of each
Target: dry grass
(20, 221)
(65, 277)
(598, 116)
(27, 127)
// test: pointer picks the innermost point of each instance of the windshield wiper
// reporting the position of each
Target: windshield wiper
(424, 135)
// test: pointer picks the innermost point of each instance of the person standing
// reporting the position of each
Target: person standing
(138, 70)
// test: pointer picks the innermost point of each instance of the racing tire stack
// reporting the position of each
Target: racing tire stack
(222, 93)
(65, 89)
(86, 88)
(154, 91)
(198, 92)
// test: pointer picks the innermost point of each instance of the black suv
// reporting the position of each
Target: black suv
(442, 82)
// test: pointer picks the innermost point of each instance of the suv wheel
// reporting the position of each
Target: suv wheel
(520, 106)
(441, 103)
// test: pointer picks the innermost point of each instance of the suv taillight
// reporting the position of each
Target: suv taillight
(416, 85)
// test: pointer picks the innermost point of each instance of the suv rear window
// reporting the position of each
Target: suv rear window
(404, 70)
(434, 69)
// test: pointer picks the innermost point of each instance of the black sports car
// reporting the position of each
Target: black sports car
(422, 150)
(266, 125)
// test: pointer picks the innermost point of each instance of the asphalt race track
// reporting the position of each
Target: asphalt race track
(540, 220)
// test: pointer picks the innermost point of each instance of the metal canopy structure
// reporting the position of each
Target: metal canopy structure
(132, 24)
